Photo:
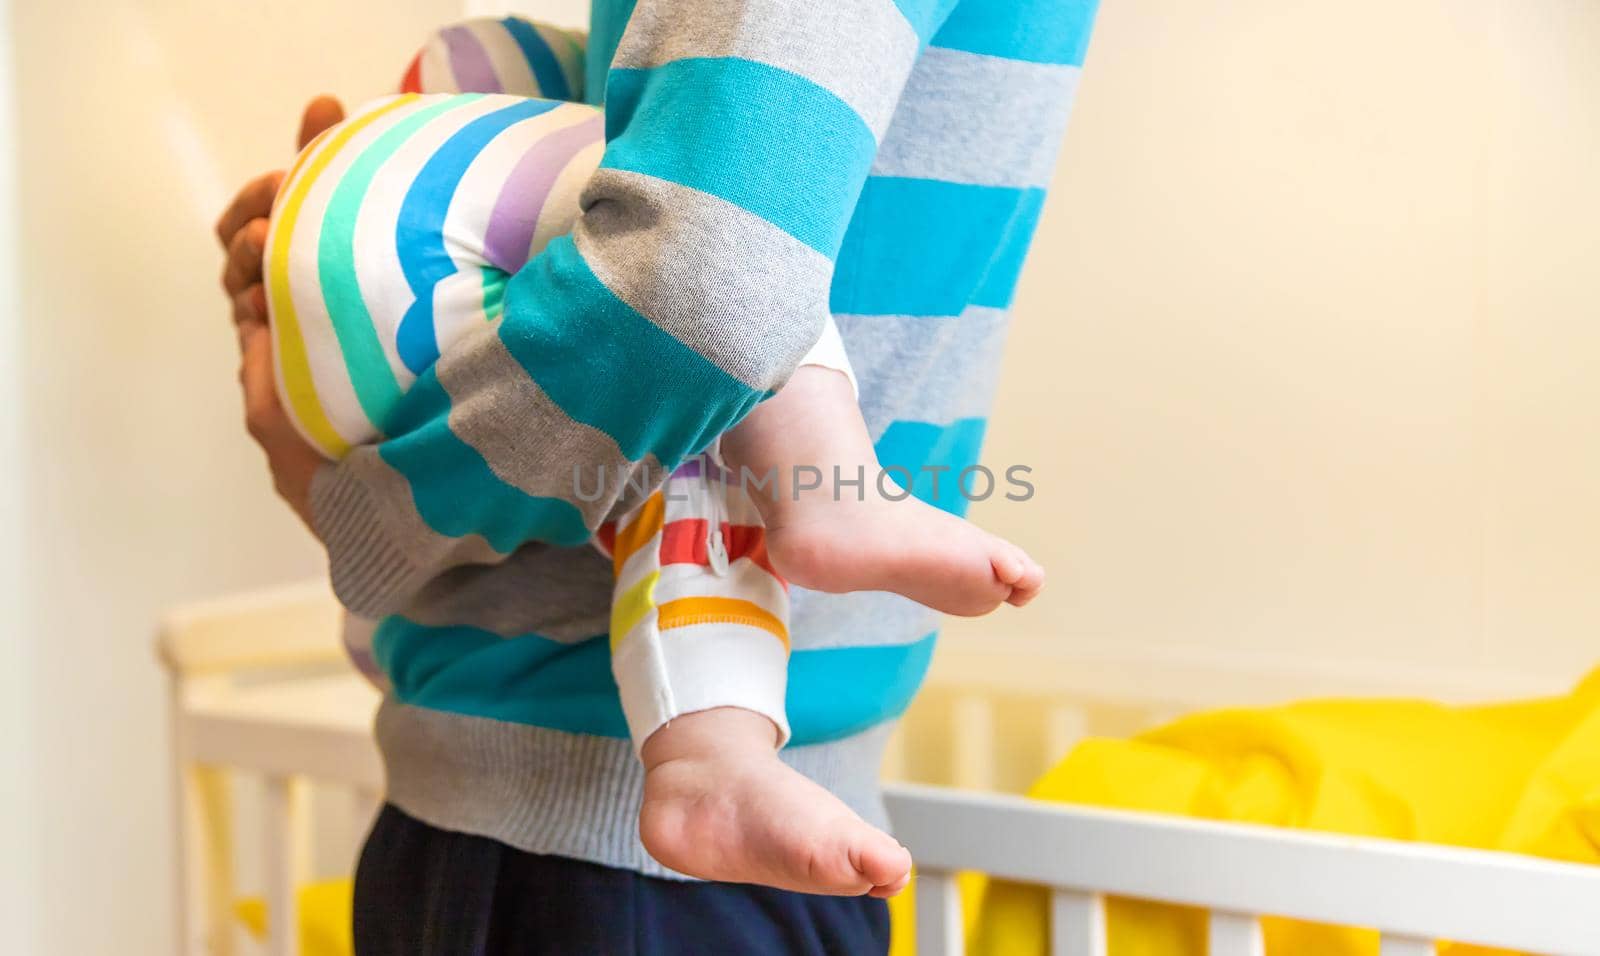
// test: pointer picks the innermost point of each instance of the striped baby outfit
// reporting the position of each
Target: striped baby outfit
(397, 230)
(505, 55)
(395, 234)
(767, 163)
(700, 618)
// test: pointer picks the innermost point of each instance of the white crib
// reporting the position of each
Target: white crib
(255, 690)
(1412, 893)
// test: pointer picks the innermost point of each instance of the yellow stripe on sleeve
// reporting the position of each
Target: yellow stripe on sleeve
(684, 612)
(632, 606)
(299, 387)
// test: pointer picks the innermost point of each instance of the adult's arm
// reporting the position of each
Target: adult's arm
(740, 133)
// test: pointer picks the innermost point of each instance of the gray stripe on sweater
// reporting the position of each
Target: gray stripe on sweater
(848, 52)
(563, 594)
(572, 795)
(958, 120)
(362, 510)
(506, 417)
(818, 620)
(935, 369)
(732, 286)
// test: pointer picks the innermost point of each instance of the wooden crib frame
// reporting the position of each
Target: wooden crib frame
(315, 725)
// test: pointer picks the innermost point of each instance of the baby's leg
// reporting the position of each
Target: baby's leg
(720, 805)
(869, 536)
(700, 654)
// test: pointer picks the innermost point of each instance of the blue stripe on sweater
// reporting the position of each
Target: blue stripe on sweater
(541, 60)
(454, 489)
(897, 257)
(607, 20)
(1040, 31)
(925, 16)
(834, 692)
(419, 233)
(795, 161)
(526, 680)
(610, 367)
(935, 455)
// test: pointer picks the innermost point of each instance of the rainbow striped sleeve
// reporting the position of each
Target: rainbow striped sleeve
(699, 616)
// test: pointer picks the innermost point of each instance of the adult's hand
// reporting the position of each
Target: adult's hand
(242, 230)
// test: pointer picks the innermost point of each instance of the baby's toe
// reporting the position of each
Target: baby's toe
(1028, 584)
(880, 859)
(1009, 564)
(892, 889)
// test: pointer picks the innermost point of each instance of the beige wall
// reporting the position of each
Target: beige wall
(18, 848)
(1304, 362)
(137, 118)
(1306, 354)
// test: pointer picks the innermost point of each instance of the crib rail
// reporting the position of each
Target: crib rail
(1411, 893)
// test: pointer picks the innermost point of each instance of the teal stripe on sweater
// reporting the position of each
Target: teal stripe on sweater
(919, 447)
(897, 258)
(527, 679)
(607, 20)
(1040, 31)
(834, 692)
(795, 162)
(574, 334)
(453, 488)
(925, 16)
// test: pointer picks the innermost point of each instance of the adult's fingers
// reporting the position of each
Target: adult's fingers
(320, 113)
(249, 308)
(254, 201)
(243, 267)
(261, 410)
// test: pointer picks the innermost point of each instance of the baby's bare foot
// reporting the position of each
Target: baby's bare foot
(828, 539)
(720, 805)
(906, 546)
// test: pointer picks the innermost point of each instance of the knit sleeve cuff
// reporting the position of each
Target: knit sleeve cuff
(698, 667)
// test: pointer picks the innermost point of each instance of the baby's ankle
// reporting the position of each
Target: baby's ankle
(719, 732)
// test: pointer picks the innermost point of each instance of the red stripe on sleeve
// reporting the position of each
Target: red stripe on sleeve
(413, 78)
(606, 537)
(684, 542)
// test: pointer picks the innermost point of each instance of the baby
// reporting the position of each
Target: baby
(396, 233)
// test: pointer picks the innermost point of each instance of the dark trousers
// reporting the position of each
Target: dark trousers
(422, 891)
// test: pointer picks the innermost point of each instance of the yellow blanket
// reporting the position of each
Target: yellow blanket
(1521, 777)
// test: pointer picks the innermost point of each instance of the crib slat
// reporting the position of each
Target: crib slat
(1077, 923)
(1065, 725)
(896, 760)
(972, 742)
(205, 861)
(1235, 934)
(287, 855)
(938, 906)
(1393, 945)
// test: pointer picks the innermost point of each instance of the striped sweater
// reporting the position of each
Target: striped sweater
(767, 162)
